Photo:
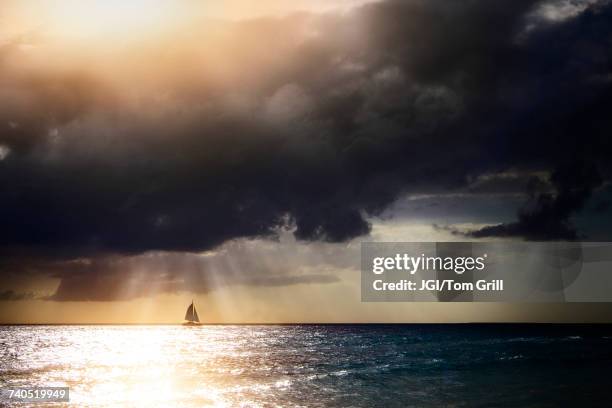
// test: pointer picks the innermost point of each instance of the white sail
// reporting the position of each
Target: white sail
(195, 315)
(189, 314)
(192, 314)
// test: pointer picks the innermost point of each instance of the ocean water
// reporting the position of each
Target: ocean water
(313, 366)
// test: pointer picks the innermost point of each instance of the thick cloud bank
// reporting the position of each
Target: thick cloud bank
(231, 130)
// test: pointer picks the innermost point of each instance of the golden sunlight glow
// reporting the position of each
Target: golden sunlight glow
(86, 19)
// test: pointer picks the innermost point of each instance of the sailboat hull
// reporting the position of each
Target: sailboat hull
(192, 324)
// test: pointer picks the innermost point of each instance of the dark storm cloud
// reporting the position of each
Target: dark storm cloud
(546, 216)
(602, 206)
(312, 121)
(33, 101)
(10, 295)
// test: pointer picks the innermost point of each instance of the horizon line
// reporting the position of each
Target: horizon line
(312, 324)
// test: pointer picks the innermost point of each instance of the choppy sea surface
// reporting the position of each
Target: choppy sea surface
(313, 366)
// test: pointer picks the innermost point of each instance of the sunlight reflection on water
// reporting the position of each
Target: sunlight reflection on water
(322, 366)
(154, 365)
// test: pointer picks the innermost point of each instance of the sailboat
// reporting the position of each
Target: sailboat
(192, 316)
